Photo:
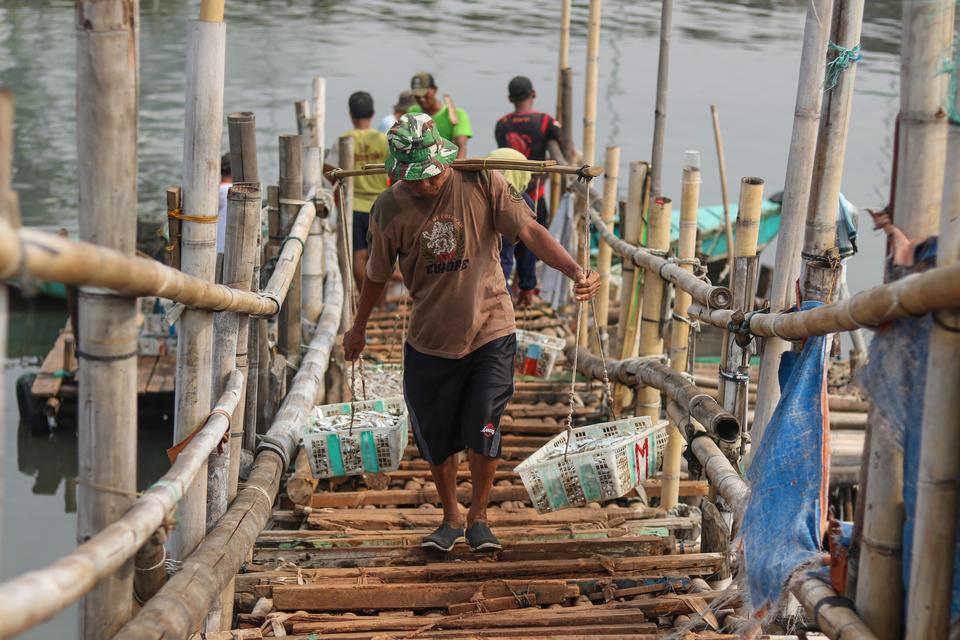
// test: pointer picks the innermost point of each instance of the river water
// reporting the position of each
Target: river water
(741, 55)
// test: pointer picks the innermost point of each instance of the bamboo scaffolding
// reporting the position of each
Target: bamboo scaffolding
(183, 602)
(680, 329)
(836, 620)
(632, 225)
(722, 165)
(107, 98)
(563, 62)
(231, 336)
(704, 293)
(647, 398)
(612, 162)
(82, 264)
(33, 597)
(206, 42)
(289, 331)
(734, 358)
(918, 294)
(932, 566)
(312, 269)
(796, 194)
(660, 109)
(345, 228)
(821, 259)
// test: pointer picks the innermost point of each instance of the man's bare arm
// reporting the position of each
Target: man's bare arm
(461, 142)
(544, 246)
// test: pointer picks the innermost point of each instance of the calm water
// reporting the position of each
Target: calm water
(741, 55)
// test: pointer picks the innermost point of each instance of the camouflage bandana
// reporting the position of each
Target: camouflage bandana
(416, 150)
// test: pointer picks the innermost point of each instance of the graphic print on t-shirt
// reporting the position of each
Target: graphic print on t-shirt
(442, 245)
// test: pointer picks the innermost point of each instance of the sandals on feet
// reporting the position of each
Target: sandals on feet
(481, 538)
(443, 539)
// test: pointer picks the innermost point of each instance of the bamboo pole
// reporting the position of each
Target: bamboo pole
(483, 164)
(345, 226)
(107, 95)
(174, 201)
(932, 566)
(651, 310)
(660, 111)
(231, 332)
(312, 272)
(628, 320)
(680, 329)
(206, 39)
(834, 617)
(796, 194)
(734, 358)
(612, 164)
(722, 161)
(33, 597)
(289, 331)
(821, 260)
(704, 293)
(566, 114)
(556, 182)
(180, 606)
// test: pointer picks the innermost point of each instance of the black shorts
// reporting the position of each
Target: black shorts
(361, 225)
(456, 404)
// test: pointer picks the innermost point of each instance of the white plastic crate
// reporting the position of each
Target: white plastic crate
(365, 450)
(537, 353)
(631, 453)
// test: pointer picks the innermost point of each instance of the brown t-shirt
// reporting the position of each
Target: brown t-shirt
(448, 249)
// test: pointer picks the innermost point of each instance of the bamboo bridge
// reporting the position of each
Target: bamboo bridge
(239, 540)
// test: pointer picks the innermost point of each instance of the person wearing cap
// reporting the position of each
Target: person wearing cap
(452, 126)
(369, 147)
(532, 133)
(443, 227)
(509, 252)
(404, 102)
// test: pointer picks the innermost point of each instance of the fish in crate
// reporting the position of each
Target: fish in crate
(347, 439)
(383, 380)
(537, 353)
(603, 461)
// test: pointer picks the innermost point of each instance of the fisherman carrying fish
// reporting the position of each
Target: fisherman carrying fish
(443, 227)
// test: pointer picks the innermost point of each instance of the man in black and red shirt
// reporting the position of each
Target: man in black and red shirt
(533, 134)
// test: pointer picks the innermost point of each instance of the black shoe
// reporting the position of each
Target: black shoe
(443, 539)
(480, 538)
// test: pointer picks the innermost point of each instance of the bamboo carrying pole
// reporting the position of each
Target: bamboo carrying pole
(796, 194)
(734, 358)
(242, 131)
(180, 606)
(39, 595)
(206, 39)
(230, 336)
(107, 96)
(660, 110)
(612, 164)
(932, 566)
(651, 310)
(821, 259)
(680, 329)
(289, 331)
(722, 162)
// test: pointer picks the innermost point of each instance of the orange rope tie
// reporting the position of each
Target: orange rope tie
(180, 215)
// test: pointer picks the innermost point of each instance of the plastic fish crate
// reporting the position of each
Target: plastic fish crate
(604, 473)
(537, 353)
(366, 450)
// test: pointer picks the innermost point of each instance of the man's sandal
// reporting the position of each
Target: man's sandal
(443, 539)
(480, 538)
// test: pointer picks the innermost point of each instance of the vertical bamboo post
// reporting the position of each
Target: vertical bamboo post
(819, 248)
(7, 213)
(242, 132)
(562, 63)
(566, 115)
(107, 95)
(932, 566)
(319, 114)
(651, 331)
(265, 390)
(206, 39)
(660, 113)
(796, 195)
(312, 260)
(612, 166)
(632, 226)
(589, 141)
(680, 330)
(345, 254)
(735, 359)
(174, 197)
(722, 162)
(289, 331)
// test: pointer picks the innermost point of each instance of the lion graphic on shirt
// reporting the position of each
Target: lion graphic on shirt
(443, 240)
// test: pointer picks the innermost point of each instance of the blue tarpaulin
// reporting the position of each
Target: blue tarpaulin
(786, 517)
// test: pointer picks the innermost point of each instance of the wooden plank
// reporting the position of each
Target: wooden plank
(352, 597)
(642, 631)
(46, 383)
(494, 604)
(307, 556)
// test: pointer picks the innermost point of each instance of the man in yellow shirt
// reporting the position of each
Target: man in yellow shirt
(453, 126)
(369, 147)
